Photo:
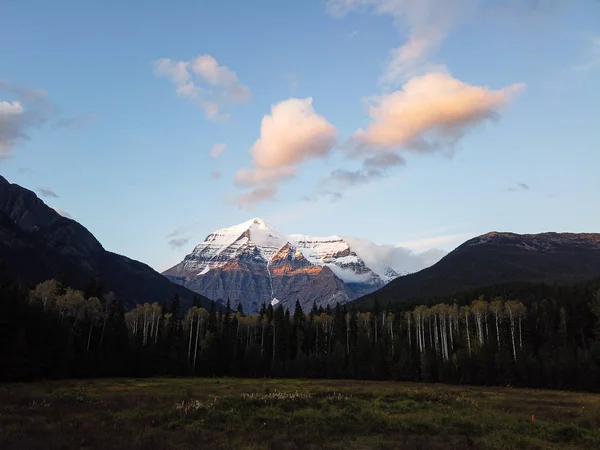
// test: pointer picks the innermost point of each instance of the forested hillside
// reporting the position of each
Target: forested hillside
(499, 258)
(531, 336)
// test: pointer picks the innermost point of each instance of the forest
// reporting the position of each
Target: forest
(526, 335)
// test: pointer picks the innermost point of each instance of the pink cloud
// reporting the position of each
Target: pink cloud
(429, 110)
(203, 80)
(290, 135)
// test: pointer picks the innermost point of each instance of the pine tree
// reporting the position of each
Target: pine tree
(298, 313)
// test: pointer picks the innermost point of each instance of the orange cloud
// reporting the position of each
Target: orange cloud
(429, 109)
(290, 135)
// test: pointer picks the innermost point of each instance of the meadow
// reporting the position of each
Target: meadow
(224, 413)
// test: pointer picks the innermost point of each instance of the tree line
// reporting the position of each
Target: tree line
(551, 339)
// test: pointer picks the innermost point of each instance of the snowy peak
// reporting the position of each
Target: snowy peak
(335, 253)
(255, 239)
(256, 263)
(389, 274)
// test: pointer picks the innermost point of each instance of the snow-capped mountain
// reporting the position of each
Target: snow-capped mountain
(254, 263)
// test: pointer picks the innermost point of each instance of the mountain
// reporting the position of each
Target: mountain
(254, 263)
(497, 258)
(37, 243)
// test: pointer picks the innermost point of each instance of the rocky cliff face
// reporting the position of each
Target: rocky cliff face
(254, 264)
(36, 244)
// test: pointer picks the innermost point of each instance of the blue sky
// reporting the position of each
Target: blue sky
(489, 108)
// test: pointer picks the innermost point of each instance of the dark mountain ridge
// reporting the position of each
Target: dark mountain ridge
(37, 243)
(497, 258)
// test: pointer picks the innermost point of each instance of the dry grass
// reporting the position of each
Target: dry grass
(291, 414)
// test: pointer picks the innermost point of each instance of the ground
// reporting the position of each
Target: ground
(291, 414)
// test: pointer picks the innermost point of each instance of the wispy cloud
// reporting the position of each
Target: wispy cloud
(47, 192)
(179, 242)
(518, 187)
(331, 196)
(436, 242)
(426, 23)
(292, 80)
(217, 149)
(182, 235)
(592, 57)
(203, 80)
(75, 121)
(381, 257)
(63, 213)
(28, 109)
(348, 178)
(255, 196)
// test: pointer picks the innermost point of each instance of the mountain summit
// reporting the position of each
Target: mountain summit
(254, 263)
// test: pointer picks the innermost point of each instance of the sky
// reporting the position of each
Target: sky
(418, 123)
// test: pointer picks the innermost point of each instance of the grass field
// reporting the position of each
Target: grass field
(291, 414)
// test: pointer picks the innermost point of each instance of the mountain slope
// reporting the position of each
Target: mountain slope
(496, 258)
(254, 263)
(36, 243)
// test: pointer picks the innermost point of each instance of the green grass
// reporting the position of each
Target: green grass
(291, 414)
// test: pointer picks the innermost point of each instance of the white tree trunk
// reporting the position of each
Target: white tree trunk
(191, 333)
(196, 349)
(468, 334)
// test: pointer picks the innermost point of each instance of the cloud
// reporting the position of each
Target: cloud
(215, 175)
(292, 80)
(217, 149)
(292, 134)
(245, 177)
(592, 57)
(258, 195)
(384, 159)
(75, 121)
(179, 242)
(181, 235)
(426, 23)
(347, 178)
(402, 260)
(181, 231)
(47, 192)
(448, 240)
(203, 80)
(331, 196)
(430, 112)
(518, 187)
(63, 213)
(28, 110)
